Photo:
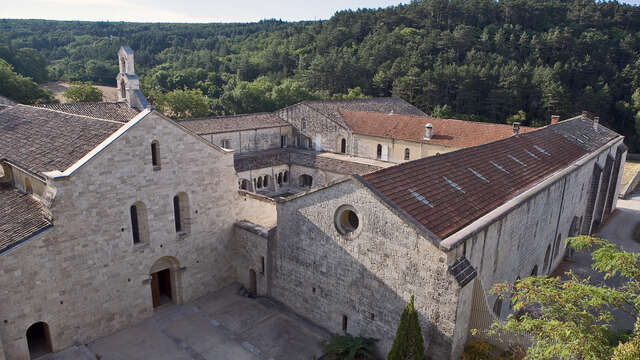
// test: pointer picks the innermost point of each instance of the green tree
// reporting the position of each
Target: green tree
(408, 343)
(31, 63)
(520, 117)
(635, 99)
(572, 318)
(20, 88)
(182, 104)
(82, 92)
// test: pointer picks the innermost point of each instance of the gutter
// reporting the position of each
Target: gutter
(461, 235)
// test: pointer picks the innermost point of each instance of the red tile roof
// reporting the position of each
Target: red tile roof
(447, 132)
(447, 192)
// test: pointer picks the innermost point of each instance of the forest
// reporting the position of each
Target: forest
(484, 60)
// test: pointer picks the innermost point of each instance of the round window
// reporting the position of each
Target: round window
(347, 220)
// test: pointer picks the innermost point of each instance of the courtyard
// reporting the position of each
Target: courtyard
(222, 325)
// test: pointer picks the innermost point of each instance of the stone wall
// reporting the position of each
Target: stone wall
(311, 124)
(531, 235)
(257, 209)
(367, 146)
(252, 140)
(250, 255)
(87, 264)
(367, 276)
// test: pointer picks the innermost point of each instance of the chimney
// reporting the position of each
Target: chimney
(596, 122)
(516, 128)
(428, 132)
(555, 119)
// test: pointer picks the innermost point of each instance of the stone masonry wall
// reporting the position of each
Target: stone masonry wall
(85, 278)
(250, 253)
(323, 275)
(512, 246)
(257, 209)
(316, 125)
(252, 140)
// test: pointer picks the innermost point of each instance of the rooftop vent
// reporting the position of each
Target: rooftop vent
(596, 123)
(428, 131)
(555, 119)
(516, 128)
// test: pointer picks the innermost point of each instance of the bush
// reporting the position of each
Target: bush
(348, 347)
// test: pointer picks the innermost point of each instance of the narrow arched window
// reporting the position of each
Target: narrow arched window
(265, 183)
(260, 182)
(155, 154)
(123, 90)
(407, 154)
(379, 152)
(176, 213)
(285, 177)
(343, 146)
(181, 213)
(135, 227)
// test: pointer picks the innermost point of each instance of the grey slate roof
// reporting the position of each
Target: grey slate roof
(394, 105)
(22, 216)
(116, 111)
(127, 49)
(43, 140)
(219, 124)
(580, 131)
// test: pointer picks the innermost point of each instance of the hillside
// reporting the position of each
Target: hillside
(512, 60)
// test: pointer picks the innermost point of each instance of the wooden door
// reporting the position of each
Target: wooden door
(155, 289)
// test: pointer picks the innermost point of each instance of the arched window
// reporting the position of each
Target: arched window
(379, 152)
(260, 182)
(407, 154)
(279, 178)
(139, 229)
(546, 257)
(123, 90)
(497, 306)
(343, 145)
(38, 340)
(27, 186)
(181, 213)
(265, 182)
(155, 154)
(285, 177)
(534, 271)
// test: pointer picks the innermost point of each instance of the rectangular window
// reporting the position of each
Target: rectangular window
(283, 141)
(176, 213)
(226, 143)
(261, 264)
(345, 320)
(134, 225)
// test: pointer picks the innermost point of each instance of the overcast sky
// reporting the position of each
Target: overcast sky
(187, 10)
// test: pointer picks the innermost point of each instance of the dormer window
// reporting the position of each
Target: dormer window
(155, 155)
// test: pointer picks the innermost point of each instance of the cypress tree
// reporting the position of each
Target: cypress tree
(408, 343)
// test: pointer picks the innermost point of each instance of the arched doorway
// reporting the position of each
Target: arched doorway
(165, 281)
(39, 340)
(253, 283)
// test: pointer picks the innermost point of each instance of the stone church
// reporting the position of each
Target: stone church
(110, 210)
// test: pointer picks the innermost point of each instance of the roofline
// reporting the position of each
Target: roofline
(247, 129)
(60, 175)
(23, 169)
(25, 239)
(73, 114)
(455, 239)
(333, 183)
(401, 213)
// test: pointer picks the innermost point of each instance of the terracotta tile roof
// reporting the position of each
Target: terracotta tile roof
(386, 105)
(447, 132)
(116, 111)
(44, 140)
(22, 216)
(221, 124)
(275, 157)
(447, 192)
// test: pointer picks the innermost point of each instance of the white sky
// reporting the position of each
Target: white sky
(184, 10)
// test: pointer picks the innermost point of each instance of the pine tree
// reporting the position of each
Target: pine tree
(408, 343)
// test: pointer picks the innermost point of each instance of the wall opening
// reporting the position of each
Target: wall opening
(139, 226)
(123, 90)
(279, 178)
(155, 154)
(534, 271)
(244, 184)
(306, 180)
(161, 287)
(265, 182)
(343, 145)
(379, 152)
(259, 186)
(285, 177)
(557, 247)
(39, 340)
(253, 283)
(407, 154)
(181, 213)
(346, 220)
(261, 264)
(345, 323)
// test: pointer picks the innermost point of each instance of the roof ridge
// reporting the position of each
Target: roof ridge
(70, 114)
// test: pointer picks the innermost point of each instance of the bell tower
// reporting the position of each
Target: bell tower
(127, 81)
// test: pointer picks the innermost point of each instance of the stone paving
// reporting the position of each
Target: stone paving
(220, 326)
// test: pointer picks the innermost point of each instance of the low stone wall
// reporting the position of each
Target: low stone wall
(257, 209)
(250, 256)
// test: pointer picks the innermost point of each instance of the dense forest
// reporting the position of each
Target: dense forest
(485, 60)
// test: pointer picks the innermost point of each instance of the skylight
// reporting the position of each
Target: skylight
(541, 150)
(420, 198)
(478, 175)
(532, 154)
(453, 184)
(516, 160)
(498, 166)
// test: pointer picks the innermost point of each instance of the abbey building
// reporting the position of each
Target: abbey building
(110, 210)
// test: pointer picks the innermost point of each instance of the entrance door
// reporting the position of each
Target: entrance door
(161, 287)
(38, 340)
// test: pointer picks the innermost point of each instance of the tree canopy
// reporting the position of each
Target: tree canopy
(20, 88)
(83, 92)
(572, 318)
(482, 60)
